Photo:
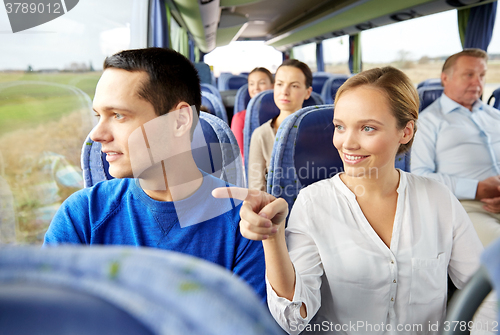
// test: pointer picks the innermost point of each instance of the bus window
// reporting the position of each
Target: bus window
(306, 53)
(47, 82)
(336, 54)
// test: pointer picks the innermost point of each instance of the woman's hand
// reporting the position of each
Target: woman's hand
(262, 215)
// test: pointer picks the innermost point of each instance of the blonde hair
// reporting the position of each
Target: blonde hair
(399, 90)
(472, 52)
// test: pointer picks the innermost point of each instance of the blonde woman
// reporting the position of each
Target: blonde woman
(367, 251)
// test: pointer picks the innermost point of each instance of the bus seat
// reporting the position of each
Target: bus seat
(204, 72)
(123, 290)
(304, 153)
(214, 105)
(229, 81)
(495, 96)
(430, 82)
(216, 151)
(241, 100)
(210, 89)
(331, 86)
(465, 302)
(235, 82)
(318, 81)
(214, 146)
(222, 79)
(491, 261)
(314, 99)
(261, 109)
(428, 94)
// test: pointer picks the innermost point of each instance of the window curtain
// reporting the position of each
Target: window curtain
(355, 64)
(475, 25)
(320, 62)
(160, 26)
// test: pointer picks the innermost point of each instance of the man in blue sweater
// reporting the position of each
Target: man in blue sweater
(147, 102)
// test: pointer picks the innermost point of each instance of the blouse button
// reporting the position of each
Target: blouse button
(392, 261)
(394, 281)
(392, 299)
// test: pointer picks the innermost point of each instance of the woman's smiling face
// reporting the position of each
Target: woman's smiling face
(258, 81)
(366, 133)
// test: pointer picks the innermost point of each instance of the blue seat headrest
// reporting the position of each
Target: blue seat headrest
(235, 83)
(314, 150)
(428, 94)
(318, 82)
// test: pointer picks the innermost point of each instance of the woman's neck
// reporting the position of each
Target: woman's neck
(283, 115)
(377, 183)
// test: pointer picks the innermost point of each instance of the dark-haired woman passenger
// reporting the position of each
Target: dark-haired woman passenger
(293, 85)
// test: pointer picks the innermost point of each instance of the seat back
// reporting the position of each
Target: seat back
(490, 260)
(304, 153)
(318, 81)
(33, 308)
(428, 94)
(430, 82)
(204, 72)
(222, 79)
(214, 150)
(261, 109)
(466, 302)
(495, 96)
(229, 81)
(241, 100)
(331, 86)
(210, 89)
(235, 82)
(303, 147)
(214, 105)
(123, 290)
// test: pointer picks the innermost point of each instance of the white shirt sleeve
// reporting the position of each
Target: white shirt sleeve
(308, 271)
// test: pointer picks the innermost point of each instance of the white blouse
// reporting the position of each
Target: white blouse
(352, 283)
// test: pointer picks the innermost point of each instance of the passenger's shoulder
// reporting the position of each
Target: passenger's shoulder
(426, 184)
(433, 112)
(323, 188)
(227, 210)
(111, 187)
(105, 194)
(263, 129)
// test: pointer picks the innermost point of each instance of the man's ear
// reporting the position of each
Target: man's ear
(408, 132)
(183, 119)
(444, 78)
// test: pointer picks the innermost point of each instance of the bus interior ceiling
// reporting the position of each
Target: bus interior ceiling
(284, 24)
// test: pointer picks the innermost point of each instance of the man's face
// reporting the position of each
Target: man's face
(120, 111)
(464, 82)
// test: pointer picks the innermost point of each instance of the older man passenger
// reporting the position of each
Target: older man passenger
(458, 142)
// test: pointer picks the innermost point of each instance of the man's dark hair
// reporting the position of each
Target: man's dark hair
(302, 67)
(172, 77)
